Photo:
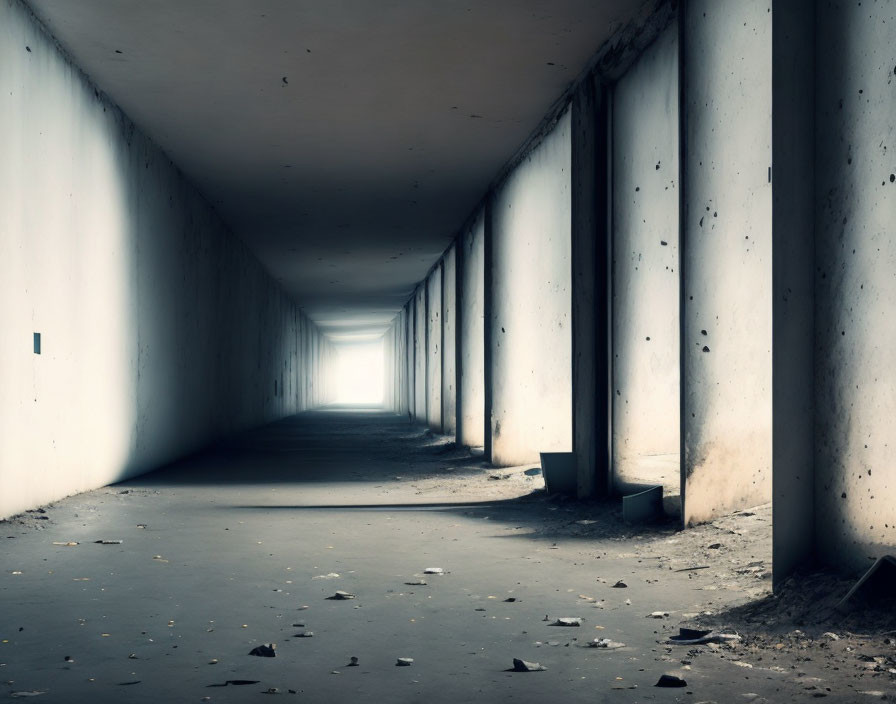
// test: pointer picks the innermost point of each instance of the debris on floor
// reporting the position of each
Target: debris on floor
(568, 621)
(526, 666)
(341, 596)
(268, 650)
(353, 662)
(404, 662)
(433, 570)
(670, 681)
(605, 644)
(109, 542)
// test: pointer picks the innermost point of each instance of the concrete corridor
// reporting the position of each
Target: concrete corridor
(208, 570)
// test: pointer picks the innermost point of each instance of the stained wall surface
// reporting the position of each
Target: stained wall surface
(726, 251)
(646, 430)
(449, 342)
(855, 380)
(420, 354)
(159, 332)
(531, 343)
(434, 349)
(471, 414)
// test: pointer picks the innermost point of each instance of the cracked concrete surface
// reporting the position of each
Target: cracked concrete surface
(241, 546)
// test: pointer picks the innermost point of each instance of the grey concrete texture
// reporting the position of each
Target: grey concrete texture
(646, 275)
(471, 414)
(160, 330)
(449, 341)
(434, 349)
(855, 187)
(726, 256)
(238, 546)
(530, 341)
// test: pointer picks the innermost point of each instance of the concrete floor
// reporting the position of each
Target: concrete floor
(236, 547)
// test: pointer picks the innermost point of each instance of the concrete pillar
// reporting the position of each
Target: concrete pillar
(420, 356)
(793, 295)
(646, 337)
(471, 333)
(726, 256)
(590, 287)
(855, 287)
(449, 341)
(530, 337)
(433, 289)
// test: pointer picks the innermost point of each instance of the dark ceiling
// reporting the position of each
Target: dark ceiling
(345, 141)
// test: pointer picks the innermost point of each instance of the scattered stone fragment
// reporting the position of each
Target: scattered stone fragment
(128, 684)
(69, 544)
(658, 614)
(213, 661)
(510, 599)
(132, 656)
(341, 596)
(525, 666)
(353, 662)
(418, 583)
(404, 662)
(108, 542)
(832, 636)
(271, 690)
(30, 693)
(714, 546)
(670, 681)
(605, 644)
(304, 634)
(329, 575)
(586, 522)
(620, 585)
(235, 683)
(264, 651)
(69, 658)
(567, 622)
(691, 636)
(433, 570)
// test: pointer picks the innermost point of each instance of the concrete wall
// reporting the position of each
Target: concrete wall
(726, 250)
(419, 304)
(434, 349)
(471, 413)
(530, 340)
(449, 342)
(646, 426)
(855, 287)
(158, 330)
(410, 362)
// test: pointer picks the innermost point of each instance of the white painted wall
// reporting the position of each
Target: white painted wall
(855, 338)
(646, 397)
(531, 351)
(159, 331)
(726, 251)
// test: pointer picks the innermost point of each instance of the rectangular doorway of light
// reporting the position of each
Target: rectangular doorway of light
(359, 370)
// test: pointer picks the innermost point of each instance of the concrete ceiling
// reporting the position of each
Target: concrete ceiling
(345, 141)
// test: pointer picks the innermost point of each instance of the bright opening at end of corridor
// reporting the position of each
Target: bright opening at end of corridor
(358, 373)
